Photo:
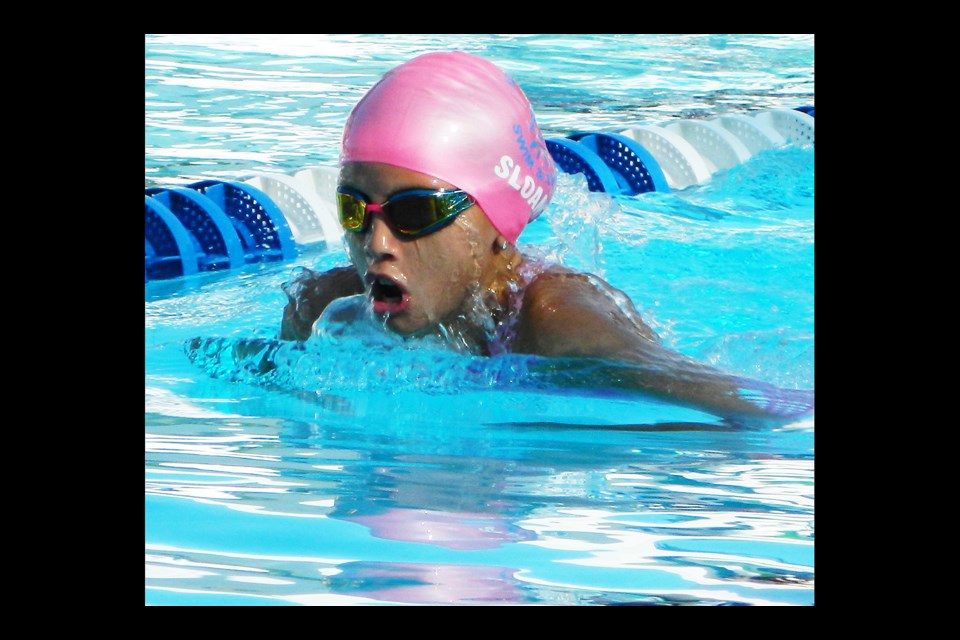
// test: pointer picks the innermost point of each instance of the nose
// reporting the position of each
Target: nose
(381, 242)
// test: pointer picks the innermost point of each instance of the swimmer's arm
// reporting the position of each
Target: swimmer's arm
(571, 316)
(309, 293)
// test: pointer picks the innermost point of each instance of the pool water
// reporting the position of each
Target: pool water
(367, 471)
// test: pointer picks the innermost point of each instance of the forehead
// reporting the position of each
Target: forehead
(379, 180)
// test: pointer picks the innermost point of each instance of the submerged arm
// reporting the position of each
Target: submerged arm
(576, 317)
(309, 293)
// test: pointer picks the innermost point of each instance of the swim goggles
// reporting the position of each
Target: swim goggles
(412, 213)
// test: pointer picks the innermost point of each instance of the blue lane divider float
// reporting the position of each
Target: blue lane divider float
(258, 221)
(214, 225)
(572, 157)
(216, 245)
(169, 250)
(634, 168)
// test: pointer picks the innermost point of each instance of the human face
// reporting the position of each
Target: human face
(415, 284)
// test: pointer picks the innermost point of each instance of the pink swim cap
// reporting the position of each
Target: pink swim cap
(459, 118)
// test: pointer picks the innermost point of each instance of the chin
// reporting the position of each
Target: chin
(405, 326)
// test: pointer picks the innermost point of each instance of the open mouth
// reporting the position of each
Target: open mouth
(388, 296)
(386, 290)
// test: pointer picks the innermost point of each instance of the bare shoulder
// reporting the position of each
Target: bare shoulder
(567, 313)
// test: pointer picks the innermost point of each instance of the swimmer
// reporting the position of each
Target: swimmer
(442, 166)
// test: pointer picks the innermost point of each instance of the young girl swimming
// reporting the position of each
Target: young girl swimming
(443, 164)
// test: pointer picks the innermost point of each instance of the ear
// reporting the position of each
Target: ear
(500, 244)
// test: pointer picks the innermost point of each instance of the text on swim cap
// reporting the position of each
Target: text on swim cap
(522, 142)
(528, 187)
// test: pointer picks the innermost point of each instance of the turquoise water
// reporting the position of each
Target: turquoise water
(413, 475)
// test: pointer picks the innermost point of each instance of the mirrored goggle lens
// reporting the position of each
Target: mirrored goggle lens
(352, 211)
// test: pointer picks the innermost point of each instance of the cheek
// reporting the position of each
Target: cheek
(354, 247)
(451, 268)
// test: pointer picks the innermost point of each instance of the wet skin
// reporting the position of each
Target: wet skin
(415, 285)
